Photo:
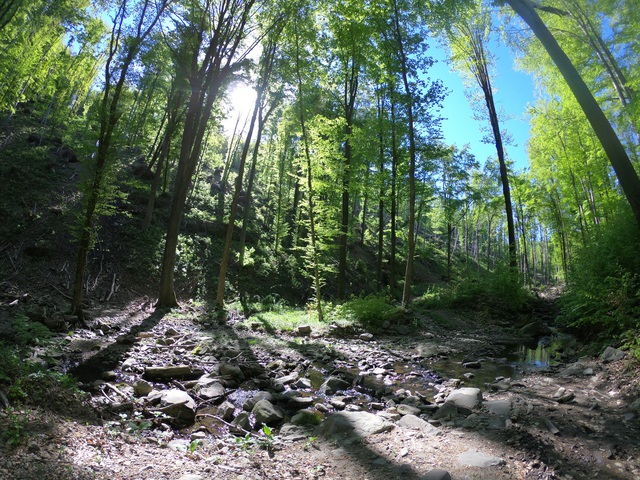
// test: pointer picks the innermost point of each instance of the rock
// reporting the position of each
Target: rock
(304, 330)
(293, 433)
(178, 405)
(611, 354)
(266, 413)
(474, 458)
(333, 384)
(412, 422)
(211, 391)
(566, 398)
(436, 474)
(306, 417)
(358, 424)
(302, 383)
(367, 337)
(300, 402)
(226, 410)
(243, 422)
(446, 411)
(498, 407)
(250, 402)
(172, 371)
(466, 398)
(531, 330)
(142, 388)
(191, 476)
(292, 377)
(233, 372)
(408, 410)
(472, 364)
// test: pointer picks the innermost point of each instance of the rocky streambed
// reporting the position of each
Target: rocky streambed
(181, 397)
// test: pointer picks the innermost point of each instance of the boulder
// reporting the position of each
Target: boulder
(172, 371)
(233, 372)
(437, 474)
(412, 422)
(266, 413)
(354, 424)
(178, 405)
(333, 384)
(466, 398)
(611, 354)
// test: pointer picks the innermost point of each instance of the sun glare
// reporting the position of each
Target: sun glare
(239, 105)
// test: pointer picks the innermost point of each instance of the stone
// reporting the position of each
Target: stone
(212, 391)
(611, 354)
(412, 422)
(354, 424)
(402, 329)
(304, 330)
(142, 388)
(191, 476)
(472, 364)
(474, 458)
(302, 383)
(566, 398)
(498, 407)
(366, 337)
(292, 377)
(243, 421)
(250, 402)
(306, 417)
(172, 371)
(300, 402)
(333, 385)
(466, 398)
(266, 413)
(226, 410)
(178, 405)
(436, 474)
(233, 372)
(408, 410)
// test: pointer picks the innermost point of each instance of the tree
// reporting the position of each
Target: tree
(212, 46)
(468, 38)
(626, 174)
(115, 74)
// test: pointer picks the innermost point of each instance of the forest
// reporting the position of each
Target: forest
(281, 167)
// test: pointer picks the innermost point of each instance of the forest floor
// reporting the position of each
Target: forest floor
(576, 418)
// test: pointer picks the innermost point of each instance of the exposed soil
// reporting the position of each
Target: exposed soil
(110, 432)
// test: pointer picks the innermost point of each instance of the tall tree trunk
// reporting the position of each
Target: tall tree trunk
(627, 176)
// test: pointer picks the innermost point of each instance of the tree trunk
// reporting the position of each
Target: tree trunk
(627, 176)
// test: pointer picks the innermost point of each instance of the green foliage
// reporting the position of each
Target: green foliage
(372, 310)
(499, 292)
(14, 431)
(603, 294)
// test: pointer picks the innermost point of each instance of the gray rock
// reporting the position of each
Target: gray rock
(367, 337)
(498, 407)
(306, 417)
(333, 384)
(355, 424)
(412, 422)
(226, 410)
(292, 377)
(243, 421)
(408, 410)
(250, 402)
(466, 398)
(211, 391)
(232, 371)
(266, 413)
(446, 411)
(300, 402)
(191, 476)
(472, 364)
(474, 458)
(293, 433)
(304, 330)
(142, 388)
(178, 405)
(436, 474)
(612, 355)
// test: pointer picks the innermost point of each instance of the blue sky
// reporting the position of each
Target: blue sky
(513, 91)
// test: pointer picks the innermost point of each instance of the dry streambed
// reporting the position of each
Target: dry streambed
(185, 398)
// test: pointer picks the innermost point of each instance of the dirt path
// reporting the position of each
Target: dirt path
(574, 420)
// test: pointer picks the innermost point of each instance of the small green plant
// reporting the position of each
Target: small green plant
(15, 430)
(372, 310)
(310, 443)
